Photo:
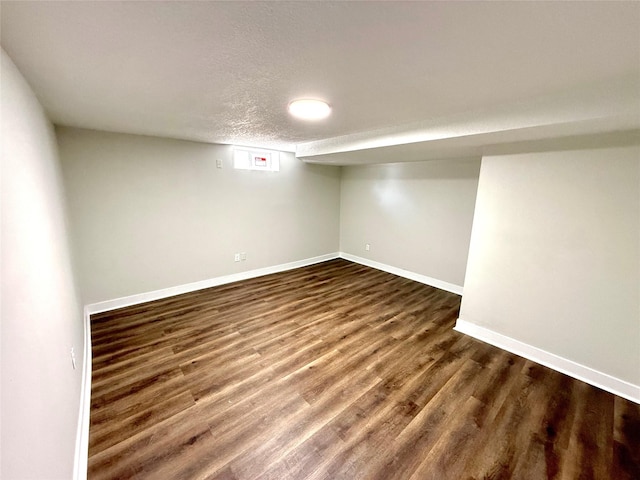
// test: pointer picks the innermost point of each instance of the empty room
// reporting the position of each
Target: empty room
(320, 240)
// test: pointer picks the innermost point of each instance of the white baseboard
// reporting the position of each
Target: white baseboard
(586, 374)
(433, 282)
(211, 282)
(82, 435)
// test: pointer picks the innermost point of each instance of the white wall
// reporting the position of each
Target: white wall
(415, 216)
(41, 314)
(554, 260)
(151, 213)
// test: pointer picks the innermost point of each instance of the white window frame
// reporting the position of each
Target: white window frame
(247, 158)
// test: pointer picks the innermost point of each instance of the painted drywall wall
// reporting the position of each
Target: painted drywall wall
(415, 216)
(41, 313)
(554, 260)
(150, 213)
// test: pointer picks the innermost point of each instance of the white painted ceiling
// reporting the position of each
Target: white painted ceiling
(407, 81)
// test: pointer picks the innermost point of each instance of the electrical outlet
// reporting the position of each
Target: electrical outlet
(236, 257)
(243, 256)
(219, 163)
(367, 247)
(73, 358)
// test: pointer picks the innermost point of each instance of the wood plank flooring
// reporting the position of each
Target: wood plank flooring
(336, 371)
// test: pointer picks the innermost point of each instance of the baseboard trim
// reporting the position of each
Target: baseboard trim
(576, 370)
(82, 435)
(433, 282)
(212, 282)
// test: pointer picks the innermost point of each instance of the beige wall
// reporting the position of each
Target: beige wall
(41, 313)
(151, 213)
(414, 216)
(554, 260)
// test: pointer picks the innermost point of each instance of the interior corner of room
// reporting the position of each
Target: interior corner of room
(534, 218)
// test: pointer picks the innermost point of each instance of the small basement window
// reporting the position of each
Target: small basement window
(253, 159)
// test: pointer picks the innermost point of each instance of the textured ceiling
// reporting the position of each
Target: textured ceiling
(460, 74)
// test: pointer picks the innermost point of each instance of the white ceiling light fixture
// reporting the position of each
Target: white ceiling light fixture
(308, 109)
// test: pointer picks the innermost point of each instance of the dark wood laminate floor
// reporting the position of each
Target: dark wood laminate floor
(336, 371)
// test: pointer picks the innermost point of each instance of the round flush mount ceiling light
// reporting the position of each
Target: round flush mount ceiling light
(308, 109)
